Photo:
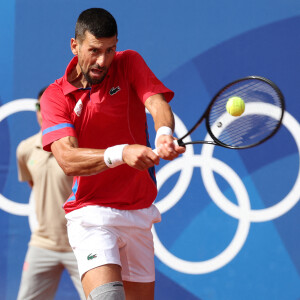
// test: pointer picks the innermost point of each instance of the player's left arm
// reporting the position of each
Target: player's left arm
(163, 117)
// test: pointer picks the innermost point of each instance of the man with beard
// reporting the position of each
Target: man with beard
(95, 124)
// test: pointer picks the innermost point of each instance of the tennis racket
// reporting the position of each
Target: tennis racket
(261, 119)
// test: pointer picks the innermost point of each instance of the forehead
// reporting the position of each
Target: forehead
(91, 40)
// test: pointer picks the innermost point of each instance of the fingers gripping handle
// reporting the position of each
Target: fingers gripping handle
(175, 142)
(155, 151)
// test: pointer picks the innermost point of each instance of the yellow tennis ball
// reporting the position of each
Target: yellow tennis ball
(235, 106)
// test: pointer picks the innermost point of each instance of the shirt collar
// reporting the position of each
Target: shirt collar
(67, 87)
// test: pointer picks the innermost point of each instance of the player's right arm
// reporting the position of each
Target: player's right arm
(77, 161)
(59, 136)
(85, 161)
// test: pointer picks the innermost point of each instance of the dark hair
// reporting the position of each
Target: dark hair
(98, 21)
(41, 92)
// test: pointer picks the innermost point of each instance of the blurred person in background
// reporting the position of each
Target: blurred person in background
(49, 251)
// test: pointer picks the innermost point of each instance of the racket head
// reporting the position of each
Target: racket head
(264, 110)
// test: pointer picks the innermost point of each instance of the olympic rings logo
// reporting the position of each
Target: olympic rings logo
(242, 212)
(185, 165)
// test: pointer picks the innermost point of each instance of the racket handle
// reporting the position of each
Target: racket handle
(174, 142)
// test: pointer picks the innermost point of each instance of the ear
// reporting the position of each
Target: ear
(74, 46)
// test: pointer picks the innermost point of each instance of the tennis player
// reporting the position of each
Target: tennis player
(95, 124)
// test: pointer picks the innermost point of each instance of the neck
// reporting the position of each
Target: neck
(76, 78)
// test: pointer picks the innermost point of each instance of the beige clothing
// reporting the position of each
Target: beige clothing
(51, 188)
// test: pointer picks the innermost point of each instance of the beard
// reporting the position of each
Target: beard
(92, 80)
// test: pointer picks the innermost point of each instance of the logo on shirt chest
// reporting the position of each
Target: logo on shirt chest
(78, 108)
(114, 90)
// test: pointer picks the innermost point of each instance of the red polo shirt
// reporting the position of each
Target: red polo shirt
(107, 114)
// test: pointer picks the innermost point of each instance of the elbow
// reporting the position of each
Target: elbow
(67, 169)
(66, 166)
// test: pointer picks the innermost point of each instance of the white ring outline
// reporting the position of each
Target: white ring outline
(199, 267)
(256, 215)
(7, 109)
(240, 236)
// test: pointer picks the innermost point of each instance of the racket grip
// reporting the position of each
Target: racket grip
(174, 142)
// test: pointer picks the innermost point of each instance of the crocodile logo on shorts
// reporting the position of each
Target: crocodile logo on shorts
(91, 256)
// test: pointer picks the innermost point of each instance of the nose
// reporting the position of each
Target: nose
(101, 60)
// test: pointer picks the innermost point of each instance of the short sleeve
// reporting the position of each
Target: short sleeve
(56, 117)
(143, 80)
(22, 158)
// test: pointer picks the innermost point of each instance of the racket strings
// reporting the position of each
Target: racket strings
(262, 116)
(251, 129)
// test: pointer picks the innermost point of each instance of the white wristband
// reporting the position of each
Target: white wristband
(113, 156)
(164, 130)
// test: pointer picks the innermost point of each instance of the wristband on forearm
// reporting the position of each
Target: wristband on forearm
(113, 156)
(164, 130)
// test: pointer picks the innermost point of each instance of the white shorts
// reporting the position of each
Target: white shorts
(103, 235)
